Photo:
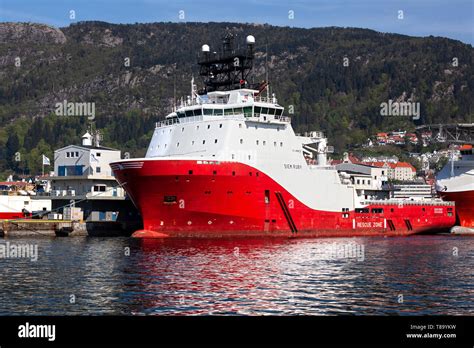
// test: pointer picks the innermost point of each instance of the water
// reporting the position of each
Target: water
(396, 276)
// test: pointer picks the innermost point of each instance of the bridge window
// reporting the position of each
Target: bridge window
(218, 112)
(271, 111)
(189, 113)
(258, 110)
(265, 111)
(228, 111)
(362, 210)
(207, 111)
(197, 112)
(248, 111)
(237, 111)
(279, 112)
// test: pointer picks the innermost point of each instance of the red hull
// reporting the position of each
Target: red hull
(464, 206)
(219, 199)
(11, 215)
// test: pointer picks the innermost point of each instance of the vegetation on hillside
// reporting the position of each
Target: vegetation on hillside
(306, 69)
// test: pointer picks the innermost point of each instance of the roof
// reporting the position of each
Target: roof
(87, 147)
(405, 165)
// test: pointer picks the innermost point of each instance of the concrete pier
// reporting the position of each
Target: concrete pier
(63, 228)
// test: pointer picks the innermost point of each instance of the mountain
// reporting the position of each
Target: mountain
(87, 62)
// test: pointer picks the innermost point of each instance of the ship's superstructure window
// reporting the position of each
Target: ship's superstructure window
(240, 125)
(257, 142)
(215, 141)
(264, 143)
(281, 144)
(203, 142)
(248, 111)
(220, 125)
(208, 112)
(241, 141)
(208, 126)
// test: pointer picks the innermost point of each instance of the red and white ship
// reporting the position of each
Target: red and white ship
(227, 162)
(455, 182)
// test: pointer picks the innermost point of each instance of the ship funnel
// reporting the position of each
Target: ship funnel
(87, 139)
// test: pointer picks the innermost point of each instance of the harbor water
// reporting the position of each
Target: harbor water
(352, 276)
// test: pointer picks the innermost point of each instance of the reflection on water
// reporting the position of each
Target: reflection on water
(239, 276)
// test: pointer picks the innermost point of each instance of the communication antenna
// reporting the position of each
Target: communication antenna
(266, 71)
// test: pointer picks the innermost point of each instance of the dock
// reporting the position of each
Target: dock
(65, 228)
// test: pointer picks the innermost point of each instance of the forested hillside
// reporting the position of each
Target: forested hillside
(88, 62)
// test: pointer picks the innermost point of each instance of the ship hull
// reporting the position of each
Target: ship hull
(11, 215)
(464, 206)
(181, 198)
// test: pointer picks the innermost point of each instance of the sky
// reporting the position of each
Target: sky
(448, 18)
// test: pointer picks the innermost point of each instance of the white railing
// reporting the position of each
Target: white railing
(407, 202)
(271, 100)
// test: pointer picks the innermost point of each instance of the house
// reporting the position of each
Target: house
(403, 171)
(83, 171)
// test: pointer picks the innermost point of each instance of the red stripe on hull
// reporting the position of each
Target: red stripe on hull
(464, 206)
(11, 215)
(233, 199)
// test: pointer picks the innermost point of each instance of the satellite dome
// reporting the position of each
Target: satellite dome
(205, 48)
(250, 40)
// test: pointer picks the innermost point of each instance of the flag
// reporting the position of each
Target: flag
(46, 161)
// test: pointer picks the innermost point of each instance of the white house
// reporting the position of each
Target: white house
(83, 171)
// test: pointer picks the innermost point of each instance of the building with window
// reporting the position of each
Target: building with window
(83, 178)
(83, 171)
